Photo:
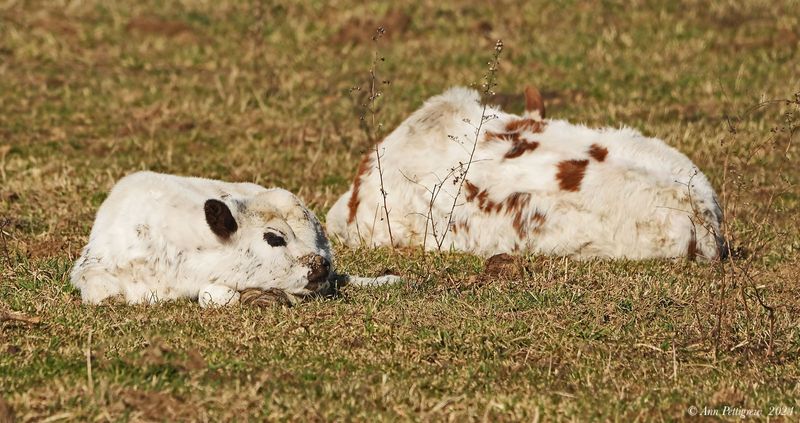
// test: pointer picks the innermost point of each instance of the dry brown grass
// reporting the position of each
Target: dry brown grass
(90, 91)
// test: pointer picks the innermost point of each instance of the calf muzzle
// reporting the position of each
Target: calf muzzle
(319, 270)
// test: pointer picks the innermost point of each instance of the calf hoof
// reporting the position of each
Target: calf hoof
(267, 298)
(217, 296)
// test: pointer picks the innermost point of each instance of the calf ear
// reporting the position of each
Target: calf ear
(220, 219)
(533, 101)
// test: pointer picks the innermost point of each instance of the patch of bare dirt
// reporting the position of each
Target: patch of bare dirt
(502, 265)
(158, 353)
(157, 26)
(157, 406)
(56, 25)
(357, 30)
(6, 413)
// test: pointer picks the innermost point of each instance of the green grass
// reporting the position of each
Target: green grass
(90, 91)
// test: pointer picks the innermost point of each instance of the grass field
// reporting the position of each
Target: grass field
(92, 90)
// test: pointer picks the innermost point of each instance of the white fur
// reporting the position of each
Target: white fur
(151, 241)
(645, 199)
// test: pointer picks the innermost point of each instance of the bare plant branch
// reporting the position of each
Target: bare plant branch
(488, 85)
(374, 127)
(735, 274)
(18, 317)
(4, 241)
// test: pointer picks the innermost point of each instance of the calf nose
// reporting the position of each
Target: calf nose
(319, 268)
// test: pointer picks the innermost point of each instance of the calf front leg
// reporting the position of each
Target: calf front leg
(97, 285)
(214, 295)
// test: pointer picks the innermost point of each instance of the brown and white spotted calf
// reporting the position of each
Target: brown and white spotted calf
(533, 184)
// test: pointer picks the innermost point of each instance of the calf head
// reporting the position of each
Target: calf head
(271, 241)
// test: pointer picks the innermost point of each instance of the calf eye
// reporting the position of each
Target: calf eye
(274, 239)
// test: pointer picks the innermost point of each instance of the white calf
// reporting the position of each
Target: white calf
(159, 237)
(534, 184)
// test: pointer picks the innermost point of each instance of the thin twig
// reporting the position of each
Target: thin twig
(487, 90)
(732, 271)
(89, 377)
(10, 316)
(4, 241)
(374, 93)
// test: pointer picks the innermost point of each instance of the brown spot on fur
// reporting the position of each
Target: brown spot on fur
(354, 201)
(484, 203)
(520, 147)
(519, 222)
(514, 205)
(505, 136)
(538, 218)
(518, 204)
(570, 174)
(517, 201)
(472, 190)
(533, 101)
(598, 153)
(519, 125)
(461, 226)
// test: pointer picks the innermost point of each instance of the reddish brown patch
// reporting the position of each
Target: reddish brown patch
(533, 101)
(520, 147)
(514, 205)
(517, 204)
(570, 174)
(462, 226)
(538, 218)
(505, 136)
(358, 31)
(484, 203)
(158, 26)
(518, 125)
(517, 201)
(523, 226)
(598, 153)
(488, 205)
(354, 202)
(472, 190)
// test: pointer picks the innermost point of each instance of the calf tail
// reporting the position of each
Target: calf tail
(369, 281)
